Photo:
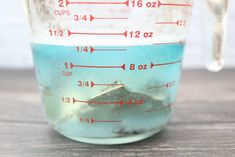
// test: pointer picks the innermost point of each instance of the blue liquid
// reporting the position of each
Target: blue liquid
(108, 93)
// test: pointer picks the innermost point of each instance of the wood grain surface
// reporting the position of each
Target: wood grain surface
(202, 124)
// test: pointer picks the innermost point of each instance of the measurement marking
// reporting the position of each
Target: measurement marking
(159, 109)
(121, 102)
(102, 50)
(108, 121)
(97, 66)
(178, 23)
(169, 43)
(161, 86)
(107, 18)
(162, 64)
(102, 34)
(174, 4)
(96, 84)
(91, 49)
(97, 3)
(166, 23)
(165, 85)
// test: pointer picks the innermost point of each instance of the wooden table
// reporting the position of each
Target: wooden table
(203, 122)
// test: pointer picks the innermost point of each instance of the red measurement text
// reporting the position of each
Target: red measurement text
(138, 67)
(56, 33)
(87, 120)
(80, 17)
(61, 12)
(121, 103)
(91, 120)
(84, 84)
(61, 3)
(85, 49)
(143, 4)
(91, 84)
(66, 100)
(139, 34)
(166, 85)
(134, 102)
(170, 84)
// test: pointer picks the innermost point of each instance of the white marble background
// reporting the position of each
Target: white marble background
(15, 51)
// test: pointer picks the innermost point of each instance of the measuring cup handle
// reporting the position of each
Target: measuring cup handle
(216, 18)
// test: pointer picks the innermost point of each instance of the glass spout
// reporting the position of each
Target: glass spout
(216, 23)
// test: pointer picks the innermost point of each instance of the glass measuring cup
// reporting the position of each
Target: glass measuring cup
(108, 70)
